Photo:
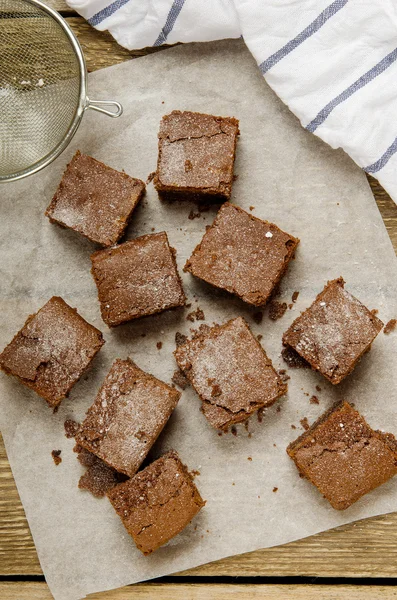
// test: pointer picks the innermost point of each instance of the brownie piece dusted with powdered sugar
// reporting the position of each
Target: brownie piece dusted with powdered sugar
(137, 278)
(52, 350)
(95, 200)
(334, 332)
(230, 371)
(128, 414)
(157, 503)
(196, 156)
(343, 457)
(242, 255)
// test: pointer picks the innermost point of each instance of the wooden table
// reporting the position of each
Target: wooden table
(354, 562)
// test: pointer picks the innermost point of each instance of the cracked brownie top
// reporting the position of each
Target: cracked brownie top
(230, 371)
(334, 332)
(196, 154)
(137, 278)
(343, 457)
(128, 414)
(52, 350)
(243, 255)
(157, 503)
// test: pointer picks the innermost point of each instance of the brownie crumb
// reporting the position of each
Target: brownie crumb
(259, 337)
(258, 316)
(275, 489)
(159, 345)
(293, 427)
(295, 296)
(277, 309)
(314, 400)
(99, 477)
(71, 428)
(220, 433)
(56, 455)
(275, 445)
(193, 215)
(234, 431)
(278, 409)
(150, 177)
(293, 359)
(197, 315)
(318, 388)
(374, 311)
(390, 326)
(180, 338)
(180, 380)
(260, 415)
(283, 375)
(249, 458)
(195, 473)
(55, 410)
(305, 423)
(290, 306)
(252, 208)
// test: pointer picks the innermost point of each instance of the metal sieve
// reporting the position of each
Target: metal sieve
(43, 87)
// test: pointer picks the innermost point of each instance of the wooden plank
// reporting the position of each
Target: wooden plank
(165, 591)
(59, 5)
(100, 49)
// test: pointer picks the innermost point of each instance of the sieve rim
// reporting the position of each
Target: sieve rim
(80, 108)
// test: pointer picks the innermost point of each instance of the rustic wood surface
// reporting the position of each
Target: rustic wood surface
(364, 549)
(149, 591)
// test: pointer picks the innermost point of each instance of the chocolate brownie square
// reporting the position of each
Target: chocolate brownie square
(95, 200)
(157, 503)
(52, 350)
(343, 457)
(334, 332)
(136, 279)
(128, 415)
(196, 156)
(242, 255)
(230, 371)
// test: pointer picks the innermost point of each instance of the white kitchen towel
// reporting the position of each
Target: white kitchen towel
(333, 63)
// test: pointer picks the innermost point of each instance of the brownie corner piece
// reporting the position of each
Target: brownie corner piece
(137, 278)
(52, 350)
(95, 200)
(334, 332)
(230, 371)
(196, 154)
(343, 457)
(130, 411)
(243, 255)
(157, 503)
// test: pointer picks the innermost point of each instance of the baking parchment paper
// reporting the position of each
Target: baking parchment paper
(292, 179)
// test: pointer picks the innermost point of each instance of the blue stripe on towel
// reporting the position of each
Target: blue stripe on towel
(170, 22)
(352, 89)
(303, 35)
(106, 12)
(384, 159)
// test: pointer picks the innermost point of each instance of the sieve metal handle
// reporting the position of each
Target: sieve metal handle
(99, 104)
